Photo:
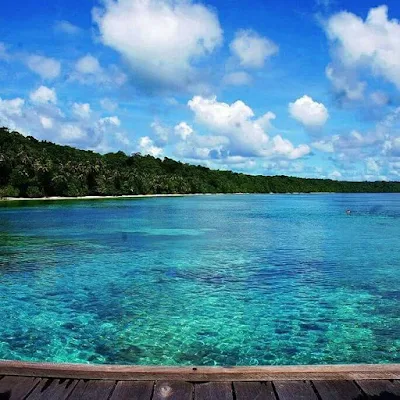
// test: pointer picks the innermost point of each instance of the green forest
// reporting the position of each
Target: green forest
(33, 168)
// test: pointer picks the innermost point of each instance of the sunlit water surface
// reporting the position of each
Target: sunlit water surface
(210, 280)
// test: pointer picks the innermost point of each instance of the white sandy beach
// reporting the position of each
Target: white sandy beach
(127, 196)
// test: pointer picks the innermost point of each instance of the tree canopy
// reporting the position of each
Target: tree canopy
(32, 168)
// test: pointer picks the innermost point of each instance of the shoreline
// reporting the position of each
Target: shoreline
(144, 196)
(123, 196)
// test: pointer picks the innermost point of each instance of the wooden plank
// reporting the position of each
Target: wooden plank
(131, 390)
(201, 374)
(337, 390)
(380, 387)
(254, 391)
(93, 390)
(173, 390)
(213, 390)
(17, 387)
(295, 390)
(53, 389)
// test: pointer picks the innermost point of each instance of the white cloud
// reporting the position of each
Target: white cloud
(147, 146)
(47, 68)
(246, 134)
(46, 122)
(345, 82)
(11, 107)
(109, 121)
(67, 27)
(335, 175)
(72, 133)
(88, 65)
(161, 131)
(372, 166)
(122, 138)
(252, 49)
(160, 39)
(81, 110)
(198, 147)
(43, 95)
(310, 113)
(108, 104)
(89, 71)
(183, 130)
(286, 148)
(237, 78)
(325, 146)
(391, 147)
(373, 44)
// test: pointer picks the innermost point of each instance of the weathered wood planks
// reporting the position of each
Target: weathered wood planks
(295, 390)
(254, 391)
(17, 387)
(27, 388)
(132, 390)
(177, 390)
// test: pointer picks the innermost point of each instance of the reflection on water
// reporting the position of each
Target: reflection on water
(215, 280)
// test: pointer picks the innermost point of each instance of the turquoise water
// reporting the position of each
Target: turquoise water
(208, 280)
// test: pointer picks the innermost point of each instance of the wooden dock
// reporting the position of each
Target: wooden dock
(20, 380)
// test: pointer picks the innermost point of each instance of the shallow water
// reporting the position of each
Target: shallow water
(213, 280)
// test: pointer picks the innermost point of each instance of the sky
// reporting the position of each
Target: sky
(304, 88)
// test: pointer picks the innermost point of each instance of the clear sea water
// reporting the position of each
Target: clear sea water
(207, 280)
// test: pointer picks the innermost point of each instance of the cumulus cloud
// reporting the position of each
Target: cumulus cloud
(345, 83)
(183, 130)
(72, 133)
(67, 28)
(41, 118)
(308, 112)
(335, 175)
(325, 146)
(372, 165)
(161, 131)
(147, 146)
(246, 134)
(88, 65)
(239, 78)
(43, 95)
(12, 107)
(46, 122)
(81, 110)
(371, 44)
(160, 39)
(251, 49)
(108, 121)
(89, 71)
(47, 68)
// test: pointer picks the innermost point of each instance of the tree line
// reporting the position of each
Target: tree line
(33, 168)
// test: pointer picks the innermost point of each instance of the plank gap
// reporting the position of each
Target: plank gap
(33, 387)
(315, 390)
(233, 391)
(153, 389)
(274, 389)
(112, 390)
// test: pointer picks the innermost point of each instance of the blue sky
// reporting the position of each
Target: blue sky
(306, 88)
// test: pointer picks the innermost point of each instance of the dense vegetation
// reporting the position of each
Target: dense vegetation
(30, 168)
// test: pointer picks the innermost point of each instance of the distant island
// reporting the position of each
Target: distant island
(32, 168)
